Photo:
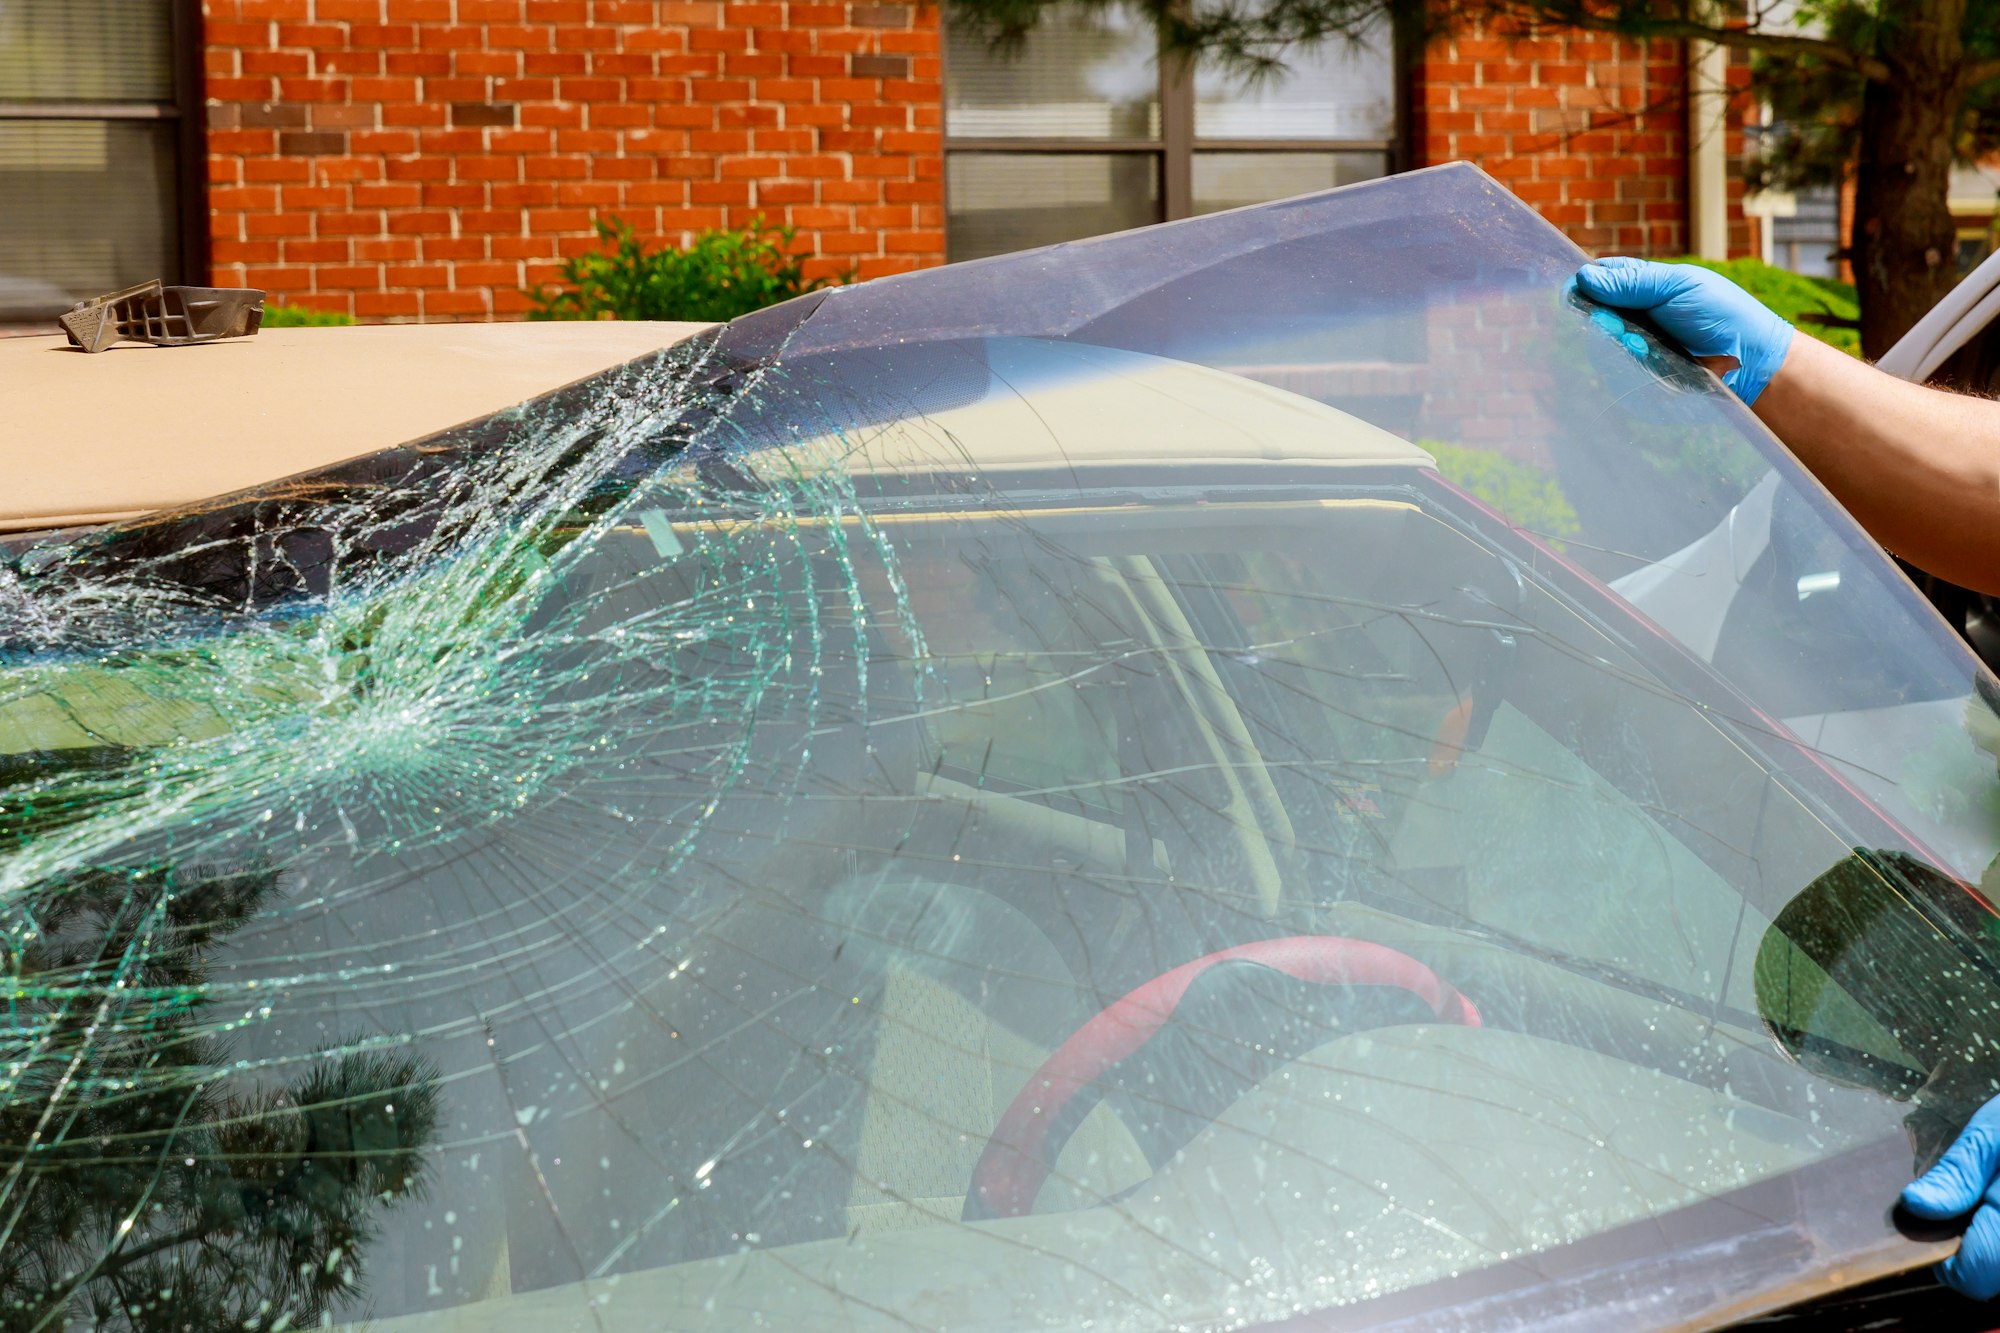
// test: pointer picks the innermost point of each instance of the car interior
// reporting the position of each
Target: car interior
(1098, 744)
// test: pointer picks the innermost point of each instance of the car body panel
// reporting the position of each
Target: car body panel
(1961, 316)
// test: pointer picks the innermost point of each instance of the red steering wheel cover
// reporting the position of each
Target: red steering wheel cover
(1011, 1170)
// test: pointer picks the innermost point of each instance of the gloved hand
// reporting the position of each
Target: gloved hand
(1964, 1179)
(1706, 313)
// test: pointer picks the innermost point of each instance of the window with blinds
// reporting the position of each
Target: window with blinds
(1082, 129)
(94, 101)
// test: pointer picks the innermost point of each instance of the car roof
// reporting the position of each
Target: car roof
(152, 428)
(147, 428)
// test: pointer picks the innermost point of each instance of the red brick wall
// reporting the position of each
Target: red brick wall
(426, 159)
(1591, 130)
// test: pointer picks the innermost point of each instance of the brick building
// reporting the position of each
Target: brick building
(1593, 131)
(427, 159)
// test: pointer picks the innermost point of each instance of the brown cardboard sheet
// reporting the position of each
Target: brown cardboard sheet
(90, 439)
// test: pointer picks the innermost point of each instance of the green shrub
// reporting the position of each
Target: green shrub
(1794, 296)
(1526, 496)
(722, 275)
(298, 317)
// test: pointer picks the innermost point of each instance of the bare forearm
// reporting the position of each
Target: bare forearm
(1919, 468)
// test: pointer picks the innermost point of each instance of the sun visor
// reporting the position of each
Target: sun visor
(1048, 405)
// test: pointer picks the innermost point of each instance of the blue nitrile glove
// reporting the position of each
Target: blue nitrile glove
(1964, 1179)
(1706, 313)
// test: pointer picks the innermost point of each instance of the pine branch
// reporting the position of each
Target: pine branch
(1634, 21)
(1250, 38)
(119, 1260)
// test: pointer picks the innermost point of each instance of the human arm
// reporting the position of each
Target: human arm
(1919, 468)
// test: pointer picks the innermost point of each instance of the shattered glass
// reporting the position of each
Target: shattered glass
(1278, 765)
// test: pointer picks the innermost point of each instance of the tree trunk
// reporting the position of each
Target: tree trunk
(1904, 242)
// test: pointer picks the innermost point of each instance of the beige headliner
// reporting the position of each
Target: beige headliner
(1082, 406)
(90, 439)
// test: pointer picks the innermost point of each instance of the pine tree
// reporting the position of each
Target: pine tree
(144, 1185)
(1894, 90)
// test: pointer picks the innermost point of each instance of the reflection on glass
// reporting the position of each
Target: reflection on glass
(1336, 90)
(1001, 202)
(119, 174)
(174, 1187)
(945, 801)
(1081, 74)
(1231, 180)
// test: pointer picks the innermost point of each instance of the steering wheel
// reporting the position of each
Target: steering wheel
(1023, 1147)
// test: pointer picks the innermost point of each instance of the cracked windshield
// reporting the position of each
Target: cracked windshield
(1280, 764)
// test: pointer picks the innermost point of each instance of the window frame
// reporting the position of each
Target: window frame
(1174, 151)
(187, 109)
